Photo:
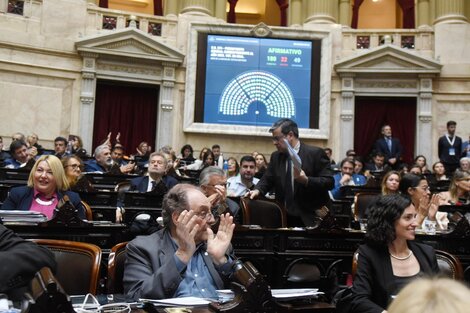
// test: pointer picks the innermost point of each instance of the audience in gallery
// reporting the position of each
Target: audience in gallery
(415, 169)
(218, 156)
(47, 185)
(449, 148)
(261, 165)
(390, 183)
(432, 295)
(208, 159)
(390, 147)
(233, 167)
(420, 161)
(459, 190)
(416, 187)
(390, 258)
(197, 164)
(186, 157)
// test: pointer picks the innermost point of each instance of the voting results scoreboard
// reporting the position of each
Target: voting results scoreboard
(256, 81)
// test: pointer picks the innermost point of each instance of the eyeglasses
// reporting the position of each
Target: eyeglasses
(204, 216)
(74, 166)
(223, 185)
(425, 188)
(277, 138)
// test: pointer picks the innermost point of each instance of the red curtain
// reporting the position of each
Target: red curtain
(283, 5)
(158, 7)
(231, 18)
(408, 7)
(129, 109)
(103, 4)
(355, 15)
(371, 113)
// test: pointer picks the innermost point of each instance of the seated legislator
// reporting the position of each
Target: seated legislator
(459, 189)
(47, 185)
(390, 258)
(78, 182)
(20, 260)
(238, 185)
(347, 177)
(103, 162)
(417, 188)
(390, 183)
(185, 258)
(19, 155)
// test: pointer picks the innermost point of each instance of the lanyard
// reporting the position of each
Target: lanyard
(451, 143)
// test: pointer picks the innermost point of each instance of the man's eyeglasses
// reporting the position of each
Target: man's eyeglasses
(204, 216)
(223, 185)
(425, 188)
(277, 138)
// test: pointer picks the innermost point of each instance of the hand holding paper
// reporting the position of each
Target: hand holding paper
(294, 156)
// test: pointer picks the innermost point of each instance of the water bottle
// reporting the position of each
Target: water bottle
(69, 149)
(225, 168)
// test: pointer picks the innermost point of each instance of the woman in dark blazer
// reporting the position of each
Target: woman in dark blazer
(389, 259)
(47, 185)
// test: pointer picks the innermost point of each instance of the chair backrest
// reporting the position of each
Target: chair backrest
(263, 212)
(88, 211)
(78, 264)
(303, 272)
(123, 186)
(116, 260)
(362, 201)
(449, 265)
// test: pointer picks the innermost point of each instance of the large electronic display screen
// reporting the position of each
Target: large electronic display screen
(256, 81)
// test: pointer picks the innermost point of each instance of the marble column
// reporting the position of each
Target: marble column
(424, 131)
(196, 7)
(321, 11)
(171, 7)
(345, 8)
(347, 114)
(423, 12)
(87, 99)
(165, 111)
(450, 11)
(295, 13)
(220, 10)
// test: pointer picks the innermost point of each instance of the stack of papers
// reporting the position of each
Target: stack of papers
(22, 216)
(184, 301)
(292, 294)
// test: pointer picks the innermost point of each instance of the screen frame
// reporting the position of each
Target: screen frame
(195, 78)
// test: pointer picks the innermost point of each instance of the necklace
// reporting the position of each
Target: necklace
(43, 202)
(401, 258)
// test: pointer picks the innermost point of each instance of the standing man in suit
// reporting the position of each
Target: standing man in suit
(302, 191)
(449, 149)
(390, 147)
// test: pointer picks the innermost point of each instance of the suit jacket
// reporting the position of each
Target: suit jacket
(150, 270)
(140, 183)
(358, 181)
(309, 197)
(21, 198)
(397, 150)
(374, 283)
(93, 166)
(20, 260)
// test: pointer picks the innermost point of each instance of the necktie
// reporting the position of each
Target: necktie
(154, 185)
(289, 192)
(389, 144)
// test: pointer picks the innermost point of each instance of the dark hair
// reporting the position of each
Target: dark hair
(351, 152)
(186, 147)
(247, 158)
(409, 181)
(60, 139)
(206, 155)
(346, 160)
(16, 144)
(378, 154)
(287, 125)
(382, 217)
(215, 146)
(328, 149)
(421, 156)
(450, 123)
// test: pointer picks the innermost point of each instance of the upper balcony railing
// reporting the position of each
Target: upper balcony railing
(100, 19)
(419, 40)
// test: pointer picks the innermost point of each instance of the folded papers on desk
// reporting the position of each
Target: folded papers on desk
(183, 301)
(292, 294)
(22, 216)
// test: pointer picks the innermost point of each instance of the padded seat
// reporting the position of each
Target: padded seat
(263, 212)
(117, 258)
(78, 264)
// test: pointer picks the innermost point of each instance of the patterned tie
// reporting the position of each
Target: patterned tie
(154, 185)
(289, 192)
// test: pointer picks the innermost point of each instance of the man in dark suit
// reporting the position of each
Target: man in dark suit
(449, 148)
(390, 147)
(303, 190)
(20, 260)
(157, 180)
(185, 258)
